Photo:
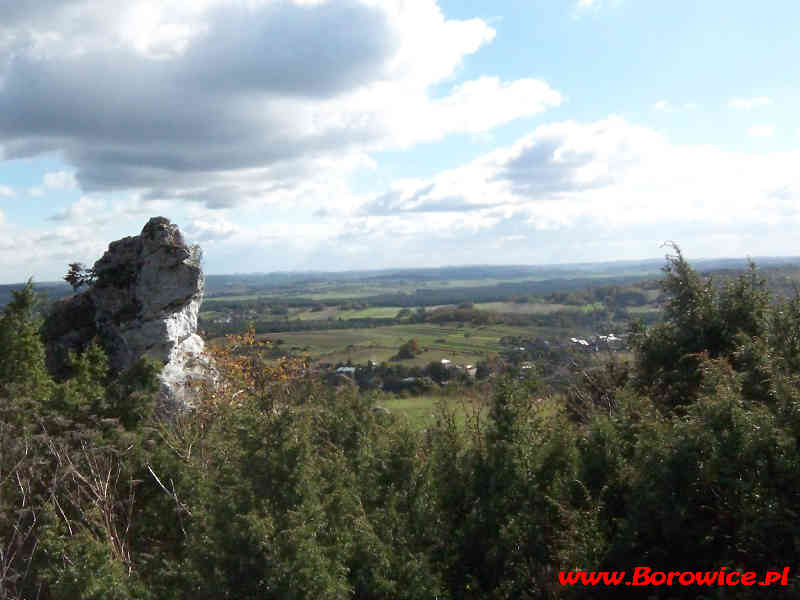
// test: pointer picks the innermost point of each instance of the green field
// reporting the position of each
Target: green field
(328, 312)
(340, 291)
(643, 310)
(528, 308)
(337, 290)
(388, 312)
(424, 411)
(334, 312)
(460, 343)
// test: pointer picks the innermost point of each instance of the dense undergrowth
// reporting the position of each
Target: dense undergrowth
(277, 486)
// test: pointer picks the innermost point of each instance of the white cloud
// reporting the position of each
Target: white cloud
(45, 253)
(59, 180)
(123, 71)
(556, 163)
(85, 210)
(274, 135)
(748, 103)
(7, 192)
(568, 191)
(200, 230)
(761, 131)
(600, 183)
(474, 107)
(54, 180)
(618, 188)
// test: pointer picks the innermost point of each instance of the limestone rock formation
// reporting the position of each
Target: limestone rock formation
(143, 302)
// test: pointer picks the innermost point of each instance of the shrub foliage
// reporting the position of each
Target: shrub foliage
(277, 485)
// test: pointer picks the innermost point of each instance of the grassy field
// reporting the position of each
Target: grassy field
(379, 344)
(355, 290)
(469, 407)
(643, 310)
(460, 343)
(329, 312)
(532, 308)
(334, 312)
(337, 290)
(328, 287)
(424, 411)
(388, 312)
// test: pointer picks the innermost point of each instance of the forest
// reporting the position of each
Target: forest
(280, 484)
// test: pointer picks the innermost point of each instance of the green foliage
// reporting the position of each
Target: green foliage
(279, 486)
(22, 354)
(85, 392)
(130, 396)
(713, 487)
(504, 492)
(437, 371)
(89, 573)
(317, 501)
(700, 320)
(410, 349)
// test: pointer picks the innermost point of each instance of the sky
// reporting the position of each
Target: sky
(286, 135)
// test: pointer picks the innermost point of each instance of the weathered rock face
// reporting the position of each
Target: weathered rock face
(144, 302)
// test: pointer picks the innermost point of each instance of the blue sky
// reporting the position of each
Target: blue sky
(313, 134)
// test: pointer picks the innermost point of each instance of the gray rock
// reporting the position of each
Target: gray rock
(143, 302)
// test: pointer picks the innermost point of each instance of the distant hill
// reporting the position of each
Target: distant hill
(249, 283)
(252, 283)
(52, 290)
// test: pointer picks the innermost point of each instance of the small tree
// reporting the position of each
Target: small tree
(408, 350)
(22, 354)
(79, 275)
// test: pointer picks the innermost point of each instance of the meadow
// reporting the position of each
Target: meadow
(361, 289)
(462, 342)
(428, 410)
